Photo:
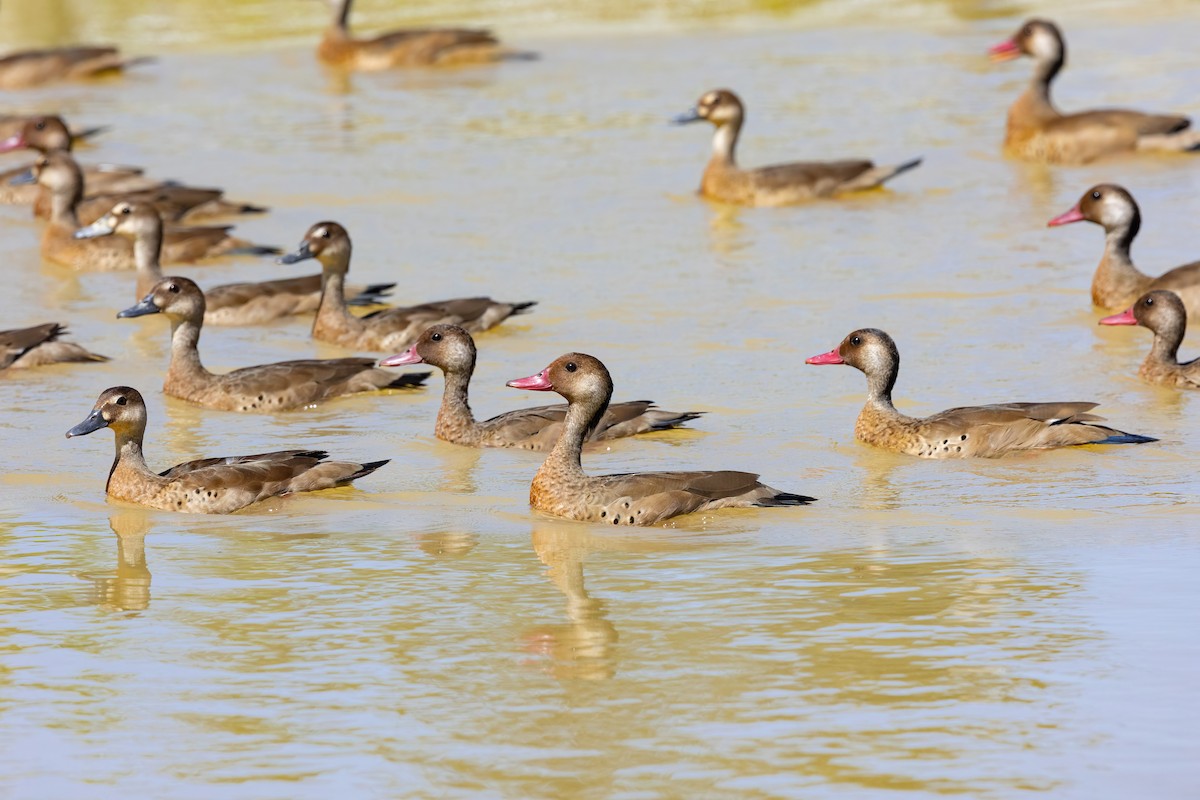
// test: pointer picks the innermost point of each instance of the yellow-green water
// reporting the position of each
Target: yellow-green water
(985, 629)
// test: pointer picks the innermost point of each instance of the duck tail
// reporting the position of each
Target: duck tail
(254, 250)
(1121, 437)
(364, 470)
(665, 420)
(372, 295)
(89, 133)
(785, 499)
(523, 308)
(409, 380)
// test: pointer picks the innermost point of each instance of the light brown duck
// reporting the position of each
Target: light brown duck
(413, 47)
(1037, 131)
(972, 431)
(452, 350)
(1117, 282)
(227, 304)
(40, 345)
(208, 485)
(1163, 313)
(392, 329)
(27, 68)
(269, 387)
(60, 176)
(563, 489)
(12, 124)
(47, 134)
(778, 185)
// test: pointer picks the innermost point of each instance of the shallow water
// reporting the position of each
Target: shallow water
(990, 629)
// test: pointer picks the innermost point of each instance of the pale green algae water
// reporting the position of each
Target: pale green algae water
(986, 629)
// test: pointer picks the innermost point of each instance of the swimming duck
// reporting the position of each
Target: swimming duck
(1117, 282)
(270, 387)
(982, 431)
(230, 303)
(27, 68)
(563, 489)
(452, 350)
(392, 329)
(1037, 131)
(40, 345)
(60, 176)
(1163, 313)
(403, 48)
(779, 185)
(208, 485)
(48, 134)
(12, 124)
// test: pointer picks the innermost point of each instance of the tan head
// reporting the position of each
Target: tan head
(1038, 38)
(720, 107)
(46, 134)
(575, 376)
(178, 298)
(132, 220)
(1161, 311)
(1106, 204)
(873, 352)
(447, 347)
(120, 408)
(328, 243)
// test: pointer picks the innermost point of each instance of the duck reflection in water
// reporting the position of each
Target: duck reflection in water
(129, 588)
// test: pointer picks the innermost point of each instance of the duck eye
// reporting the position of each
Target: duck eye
(1149, 301)
(1095, 195)
(173, 288)
(121, 401)
(126, 210)
(856, 340)
(437, 337)
(324, 234)
(571, 367)
(40, 125)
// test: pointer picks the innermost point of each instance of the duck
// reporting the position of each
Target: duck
(412, 47)
(1163, 313)
(451, 349)
(28, 68)
(49, 133)
(177, 202)
(228, 304)
(41, 345)
(12, 124)
(261, 389)
(778, 185)
(207, 485)
(1037, 131)
(59, 174)
(392, 329)
(1117, 282)
(561, 487)
(973, 431)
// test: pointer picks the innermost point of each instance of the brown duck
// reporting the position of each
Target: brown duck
(230, 303)
(27, 68)
(40, 345)
(452, 350)
(1163, 313)
(983, 431)
(12, 124)
(779, 185)
(413, 47)
(270, 387)
(48, 134)
(1117, 282)
(563, 489)
(1037, 131)
(58, 174)
(208, 485)
(392, 329)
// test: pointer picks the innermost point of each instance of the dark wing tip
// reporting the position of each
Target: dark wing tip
(409, 380)
(786, 499)
(1126, 438)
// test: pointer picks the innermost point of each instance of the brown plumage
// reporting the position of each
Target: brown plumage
(778, 185)
(1117, 282)
(59, 175)
(1037, 131)
(563, 489)
(1163, 313)
(414, 47)
(452, 350)
(983, 431)
(27, 68)
(40, 345)
(47, 134)
(392, 329)
(208, 485)
(262, 389)
(227, 304)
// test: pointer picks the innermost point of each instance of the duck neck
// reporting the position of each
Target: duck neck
(582, 418)
(129, 456)
(63, 202)
(185, 352)
(454, 416)
(1117, 275)
(333, 310)
(880, 383)
(1167, 339)
(725, 142)
(1038, 93)
(341, 18)
(147, 258)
